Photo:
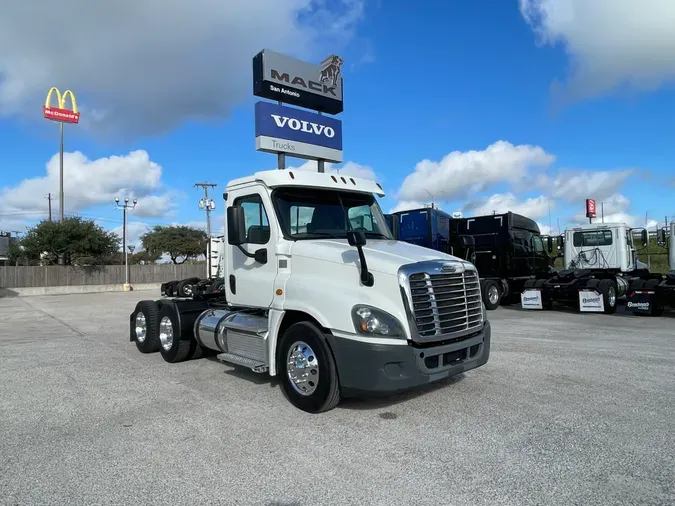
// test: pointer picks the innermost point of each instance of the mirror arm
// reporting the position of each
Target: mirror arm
(366, 277)
(250, 255)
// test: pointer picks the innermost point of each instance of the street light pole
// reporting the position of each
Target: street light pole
(208, 205)
(124, 208)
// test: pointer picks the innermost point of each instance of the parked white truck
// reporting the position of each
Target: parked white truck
(600, 262)
(318, 293)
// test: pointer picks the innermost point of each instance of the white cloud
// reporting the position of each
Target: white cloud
(189, 61)
(347, 169)
(406, 205)
(611, 43)
(89, 183)
(460, 174)
(575, 186)
(500, 203)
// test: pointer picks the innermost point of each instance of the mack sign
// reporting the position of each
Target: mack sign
(297, 133)
(285, 79)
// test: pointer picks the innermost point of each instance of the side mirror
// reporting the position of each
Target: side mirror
(661, 236)
(561, 241)
(549, 244)
(356, 238)
(236, 226)
(467, 240)
(645, 238)
(260, 256)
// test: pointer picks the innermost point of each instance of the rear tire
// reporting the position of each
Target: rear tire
(307, 369)
(492, 295)
(172, 347)
(144, 326)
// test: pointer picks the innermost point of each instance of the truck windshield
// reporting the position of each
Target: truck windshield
(311, 214)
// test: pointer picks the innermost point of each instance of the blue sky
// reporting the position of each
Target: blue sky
(473, 80)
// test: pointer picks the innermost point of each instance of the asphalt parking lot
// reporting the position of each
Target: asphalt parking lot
(570, 409)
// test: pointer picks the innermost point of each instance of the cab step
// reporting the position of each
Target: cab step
(254, 365)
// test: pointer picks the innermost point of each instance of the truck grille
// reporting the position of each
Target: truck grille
(446, 303)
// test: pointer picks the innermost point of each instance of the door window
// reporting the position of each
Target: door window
(538, 244)
(255, 218)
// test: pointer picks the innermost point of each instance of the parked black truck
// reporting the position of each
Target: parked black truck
(507, 249)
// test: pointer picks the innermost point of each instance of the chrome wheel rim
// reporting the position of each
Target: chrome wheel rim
(187, 289)
(611, 293)
(141, 327)
(302, 368)
(166, 333)
(493, 294)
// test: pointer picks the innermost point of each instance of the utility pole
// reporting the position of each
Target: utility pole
(208, 205)
(124, 208)
(49, 198)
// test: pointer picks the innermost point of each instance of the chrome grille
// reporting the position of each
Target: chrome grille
(446, 303)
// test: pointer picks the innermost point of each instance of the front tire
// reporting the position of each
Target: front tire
(607, 289)
(491, 294)
(307, 369)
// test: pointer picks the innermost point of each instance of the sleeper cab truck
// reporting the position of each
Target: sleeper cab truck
(318, 293)
(651, 295)
(507, 249)
(600, 261)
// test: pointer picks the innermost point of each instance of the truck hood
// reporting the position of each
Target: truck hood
(381, 255)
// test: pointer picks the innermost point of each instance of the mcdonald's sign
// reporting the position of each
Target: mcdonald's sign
(60, 113)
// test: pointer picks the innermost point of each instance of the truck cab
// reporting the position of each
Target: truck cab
(318, 292)
(607, 246)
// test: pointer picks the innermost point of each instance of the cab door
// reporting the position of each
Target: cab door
(250, 283)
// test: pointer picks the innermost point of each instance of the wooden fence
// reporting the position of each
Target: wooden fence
(57, 275)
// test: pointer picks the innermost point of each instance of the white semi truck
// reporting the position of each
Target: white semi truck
(651, 294)
(318, 293)
(600, 263)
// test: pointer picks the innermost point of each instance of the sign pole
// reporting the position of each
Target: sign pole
(61, 174)
(320, 163)
(281, 157)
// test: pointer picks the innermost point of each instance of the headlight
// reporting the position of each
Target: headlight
(375, 322)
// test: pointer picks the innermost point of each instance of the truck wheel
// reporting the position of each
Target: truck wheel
(144, 326)
(172, 348)
(186, 287)
(218, 285)
(607, 290)
(491, 294)
(307, 369)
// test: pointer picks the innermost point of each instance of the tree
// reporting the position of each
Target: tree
(74, 240)
(176, 241)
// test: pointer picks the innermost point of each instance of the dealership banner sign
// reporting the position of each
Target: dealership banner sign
(60, 113)
(285, 79)
(298, 133)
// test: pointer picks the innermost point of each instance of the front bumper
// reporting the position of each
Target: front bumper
(381, 368)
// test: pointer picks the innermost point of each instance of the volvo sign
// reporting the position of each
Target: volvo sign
(298, 133)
